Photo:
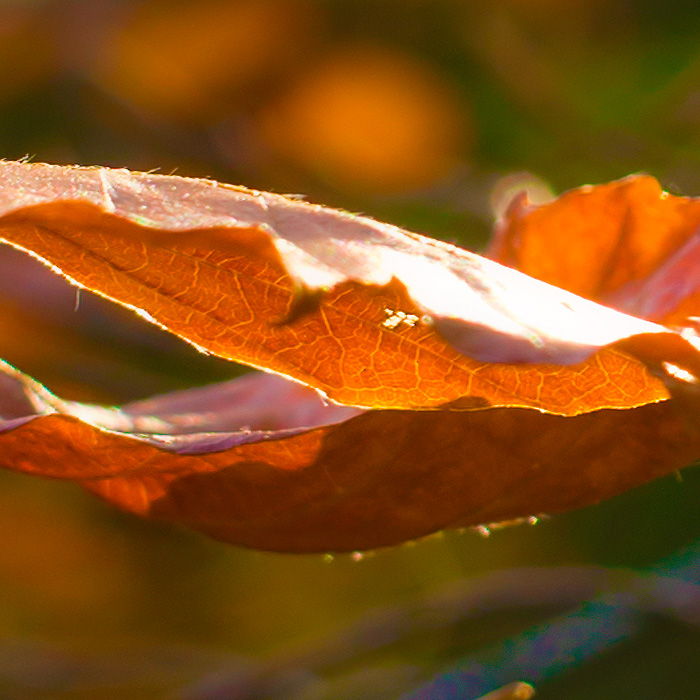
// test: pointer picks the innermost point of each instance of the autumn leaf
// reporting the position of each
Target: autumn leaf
(627, 244)
(457, 391)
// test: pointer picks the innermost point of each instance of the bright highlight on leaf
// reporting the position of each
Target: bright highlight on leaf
(458, 391)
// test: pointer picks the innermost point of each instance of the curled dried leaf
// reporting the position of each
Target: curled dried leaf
(470, 391)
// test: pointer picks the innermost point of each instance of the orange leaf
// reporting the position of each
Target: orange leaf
(376, 318)
(627, 244)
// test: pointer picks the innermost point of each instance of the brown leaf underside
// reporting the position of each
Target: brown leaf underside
(378, 479)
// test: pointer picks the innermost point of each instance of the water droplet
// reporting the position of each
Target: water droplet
(483, 530)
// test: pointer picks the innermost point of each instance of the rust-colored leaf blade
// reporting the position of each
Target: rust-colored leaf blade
(452, 351)
(400, 321)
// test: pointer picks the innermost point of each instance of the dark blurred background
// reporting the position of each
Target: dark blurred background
(415, 112)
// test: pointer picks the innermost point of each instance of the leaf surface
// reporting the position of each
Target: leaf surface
(473, 392)
(626, 244)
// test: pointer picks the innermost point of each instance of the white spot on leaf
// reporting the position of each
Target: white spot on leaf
(396, 318)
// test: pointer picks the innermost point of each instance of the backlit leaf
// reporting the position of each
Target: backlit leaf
(472, 393)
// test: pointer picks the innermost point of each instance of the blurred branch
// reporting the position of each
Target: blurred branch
(560, 645)
(619, 603)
